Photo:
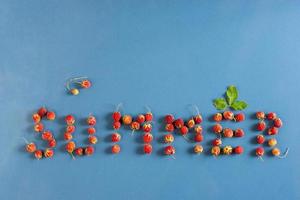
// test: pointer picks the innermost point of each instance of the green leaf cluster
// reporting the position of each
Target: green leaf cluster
(231, 101)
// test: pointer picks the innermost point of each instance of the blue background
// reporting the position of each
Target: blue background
(164, 54)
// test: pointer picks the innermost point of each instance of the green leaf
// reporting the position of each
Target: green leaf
(220, 103)
(239, 105)
(231, 94)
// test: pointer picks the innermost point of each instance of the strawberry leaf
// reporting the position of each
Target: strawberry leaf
(231, 94)
(239, 105)
(220, 103)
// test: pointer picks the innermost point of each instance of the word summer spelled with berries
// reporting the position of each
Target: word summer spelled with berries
(190, 129)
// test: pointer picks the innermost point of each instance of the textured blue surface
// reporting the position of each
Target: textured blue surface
(164, 54)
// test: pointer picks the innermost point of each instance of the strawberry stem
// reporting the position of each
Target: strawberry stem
(73, 80)
(186, 138)
(120, 105)
(72, 156)
(26, 141)
(285, 153)
(148, 109)
(132, 132)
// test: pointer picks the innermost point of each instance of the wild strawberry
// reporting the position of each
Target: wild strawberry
(198, 119)
(198, 149)
(147, 148)
(239, 132)
(70, 120)
(50, 115)
(68, 136)
(52, 143)
(135, 126)
(74, 91)
(217, 142)
(42, 112)
(184, 130)
(215, 150)
(228, 115)
(127, 119)
(272, 142)
(78, 151)
(272, 131)
(261, 126)
(91, 120)
(227, 150)
(217, 128)
(47, 135)
(89, 150)
(169, 150)
(85, 84)
(198, 137)
(115, 137)
(48, 153)
(238, 150)
(148, 117)
(147, 138)
(116, 116)
(239, 117)
(276, 152)
(260, 139)
(93, 139)
(115, 149)
(218, 117)
(39, 127)
(260, 115)
(178, 123)
(38, 154)
(140, 119)
(116, 125)
(169, 138)
(198, 129)
(36, 118)
(147, 127)
(31, 147)
(277, 122)
(169, 127)
(91, 130)
(169, 119)
(259, 151)
(190, 123)
(271, 116)
(227, 132)
(70, 146)
(70, 129)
